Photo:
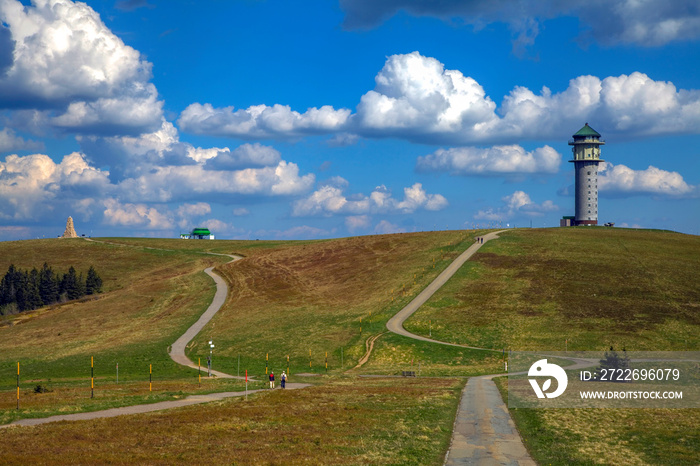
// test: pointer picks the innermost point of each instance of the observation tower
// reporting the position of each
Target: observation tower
(586, 153)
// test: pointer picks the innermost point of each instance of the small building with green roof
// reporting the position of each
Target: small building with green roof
(198, 233)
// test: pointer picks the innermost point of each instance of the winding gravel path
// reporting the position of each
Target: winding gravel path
(395, 324)
(177, 351)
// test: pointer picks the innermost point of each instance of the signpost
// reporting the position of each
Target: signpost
(211, 355)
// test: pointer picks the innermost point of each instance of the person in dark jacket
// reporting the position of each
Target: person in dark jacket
(272, 379)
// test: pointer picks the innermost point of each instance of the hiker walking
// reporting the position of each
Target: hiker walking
(283, 379)
(272, 379)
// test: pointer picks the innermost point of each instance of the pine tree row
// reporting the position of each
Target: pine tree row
(22, 290)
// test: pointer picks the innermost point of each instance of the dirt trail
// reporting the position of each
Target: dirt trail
(369, 346)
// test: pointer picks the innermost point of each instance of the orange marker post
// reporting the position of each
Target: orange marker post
(150, 377)
(18, 385)
(92, 377)
(199, 370)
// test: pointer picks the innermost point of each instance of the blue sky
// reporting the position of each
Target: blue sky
(290, 120)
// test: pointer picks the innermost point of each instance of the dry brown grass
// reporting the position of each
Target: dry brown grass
(375, 421)
(73, 396)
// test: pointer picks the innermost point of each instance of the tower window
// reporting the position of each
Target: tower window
(589, 173)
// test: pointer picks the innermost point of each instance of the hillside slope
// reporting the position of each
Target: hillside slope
(595, 287)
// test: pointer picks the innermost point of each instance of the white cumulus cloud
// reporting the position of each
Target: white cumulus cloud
(386, 228)
(417, 99)
(261, 121)
(136, 215)
(331, 200)
(10, 141)
(168, 183)
(518, 204)
(416, 96)
(245, 156)
(357, 222)
(67, 64)
(622, 180)
(194, 210)
(497, 160)
(34, 184)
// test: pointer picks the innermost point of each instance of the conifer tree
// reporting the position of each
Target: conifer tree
(70, 285)
(48, 285)
(93, 282)
(8, 286)
(33, 295)
(21, 283)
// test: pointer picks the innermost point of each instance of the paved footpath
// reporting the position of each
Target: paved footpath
(483, 433)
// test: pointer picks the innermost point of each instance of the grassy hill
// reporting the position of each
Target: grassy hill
(149, 297)
(530, 289)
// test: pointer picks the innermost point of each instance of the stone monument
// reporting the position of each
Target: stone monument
(70, 230)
